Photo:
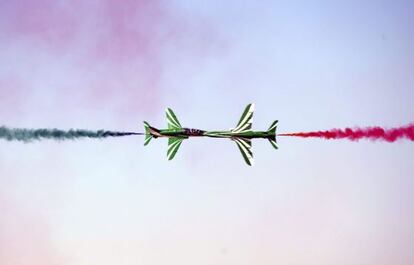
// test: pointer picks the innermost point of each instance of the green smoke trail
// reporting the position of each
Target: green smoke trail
(28, 135)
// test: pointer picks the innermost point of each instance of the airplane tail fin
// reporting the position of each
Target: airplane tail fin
(148, 135)
(272, 134)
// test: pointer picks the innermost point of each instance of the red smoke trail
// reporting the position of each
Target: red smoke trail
(371, 133)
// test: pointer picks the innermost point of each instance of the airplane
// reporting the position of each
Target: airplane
(242, 134)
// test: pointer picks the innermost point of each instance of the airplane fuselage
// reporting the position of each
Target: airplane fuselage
(242, 134)
(189, 132)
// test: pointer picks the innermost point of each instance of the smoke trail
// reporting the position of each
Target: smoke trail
(28, 135)
(371, 133)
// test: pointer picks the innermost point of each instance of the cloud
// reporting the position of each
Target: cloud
(97, 53)
(102, 28)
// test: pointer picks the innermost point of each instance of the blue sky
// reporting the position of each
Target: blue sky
(313, 66)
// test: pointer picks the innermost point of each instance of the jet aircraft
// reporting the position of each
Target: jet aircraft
(242, 134)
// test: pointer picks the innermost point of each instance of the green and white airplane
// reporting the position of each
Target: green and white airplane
(242, 134)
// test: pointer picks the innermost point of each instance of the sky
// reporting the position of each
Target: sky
(313, 65)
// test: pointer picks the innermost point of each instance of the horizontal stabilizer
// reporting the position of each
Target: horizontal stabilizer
(273, 143)
(272, 134)
(272, 128)
(148, 135)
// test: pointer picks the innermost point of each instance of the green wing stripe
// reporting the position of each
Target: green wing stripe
(246, 110)
(246, 119)
(246, 159)
(171, 142)
(247, 126)
(245, 149)
(245, 142)
(173, 150)
(173, 146)
(172, 119)
(249, 160)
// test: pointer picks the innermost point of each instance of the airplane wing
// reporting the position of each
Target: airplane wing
(172, 120)
(173, 146)
(245, 122)
(245, 147)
